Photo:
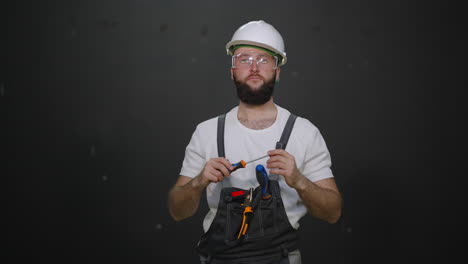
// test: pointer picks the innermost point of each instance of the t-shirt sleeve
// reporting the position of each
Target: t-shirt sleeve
(317, 162)
(194, 159)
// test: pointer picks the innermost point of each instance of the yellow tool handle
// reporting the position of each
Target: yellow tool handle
(245, 221)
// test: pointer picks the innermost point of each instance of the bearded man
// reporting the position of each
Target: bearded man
(255, 206)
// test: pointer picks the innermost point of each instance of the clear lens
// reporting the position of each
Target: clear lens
(263, 61)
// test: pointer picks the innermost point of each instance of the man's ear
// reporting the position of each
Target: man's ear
(278, 71)
(232, 75)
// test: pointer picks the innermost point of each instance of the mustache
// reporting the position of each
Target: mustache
(255, 75)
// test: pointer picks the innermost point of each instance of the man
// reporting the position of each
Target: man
(298, 173)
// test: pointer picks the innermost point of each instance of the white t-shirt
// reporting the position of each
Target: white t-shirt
(306, 144)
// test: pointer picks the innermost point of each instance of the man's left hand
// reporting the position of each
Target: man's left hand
(284, 164)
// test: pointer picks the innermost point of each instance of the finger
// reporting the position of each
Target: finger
(220, 178)
(227, 164)
(279, 165)
(224, 171)
(214, 171)
(283, 153)
(276, 159)
(212, 178)
(217, 176)
(221, 167)
(219, 172)
(277, 152)
(219, 163)
(277, 171)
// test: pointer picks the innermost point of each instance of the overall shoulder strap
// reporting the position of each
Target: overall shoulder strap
(286, 132)
(221, 122)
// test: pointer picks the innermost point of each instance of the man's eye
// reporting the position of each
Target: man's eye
(263, 61)
(245, 61)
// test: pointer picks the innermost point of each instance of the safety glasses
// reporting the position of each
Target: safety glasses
(263, 61)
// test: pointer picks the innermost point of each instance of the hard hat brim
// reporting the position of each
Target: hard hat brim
(282, 55)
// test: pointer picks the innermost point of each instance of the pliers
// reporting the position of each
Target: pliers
(246, 215)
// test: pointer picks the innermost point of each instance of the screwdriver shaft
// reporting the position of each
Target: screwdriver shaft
(242, 164)
(257, 159)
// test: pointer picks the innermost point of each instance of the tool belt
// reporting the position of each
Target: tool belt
(269, 236)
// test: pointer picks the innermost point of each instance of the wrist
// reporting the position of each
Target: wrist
(198, 183)
(301, 183)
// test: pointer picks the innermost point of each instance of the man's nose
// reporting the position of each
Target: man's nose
(254, 66)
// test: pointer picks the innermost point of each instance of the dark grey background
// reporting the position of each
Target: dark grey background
(100, 98)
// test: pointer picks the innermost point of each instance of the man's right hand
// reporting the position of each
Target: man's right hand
(215, 170)
(184, 197)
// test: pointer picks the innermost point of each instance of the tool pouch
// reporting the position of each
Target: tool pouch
(269, 238)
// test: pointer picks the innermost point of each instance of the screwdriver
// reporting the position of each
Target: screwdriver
(242, 164)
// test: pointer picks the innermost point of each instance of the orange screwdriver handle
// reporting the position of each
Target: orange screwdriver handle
(240, 164)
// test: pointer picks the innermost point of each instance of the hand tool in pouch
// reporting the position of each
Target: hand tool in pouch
(262, 178)
(246, 215)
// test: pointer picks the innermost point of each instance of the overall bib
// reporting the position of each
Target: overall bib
(269, 237)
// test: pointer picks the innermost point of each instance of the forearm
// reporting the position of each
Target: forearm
(322, 203)
(185, 199)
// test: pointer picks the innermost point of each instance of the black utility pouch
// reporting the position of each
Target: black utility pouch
(261, 225)
(269, 234)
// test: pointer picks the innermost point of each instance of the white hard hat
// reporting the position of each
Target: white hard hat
(259, 34)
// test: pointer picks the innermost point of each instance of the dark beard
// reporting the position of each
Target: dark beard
(255, 97)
